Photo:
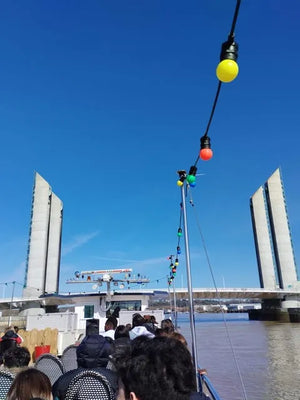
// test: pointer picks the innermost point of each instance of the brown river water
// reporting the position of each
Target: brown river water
(267, 355)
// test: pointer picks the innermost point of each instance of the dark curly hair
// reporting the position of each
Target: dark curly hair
(16, 357)
(159, 368)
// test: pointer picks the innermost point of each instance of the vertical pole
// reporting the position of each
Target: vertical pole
(189, 282)
(170, 298)
(175, 305)
(10, 305)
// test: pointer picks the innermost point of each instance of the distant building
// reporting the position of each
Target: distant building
(273, 242)
(44, 247)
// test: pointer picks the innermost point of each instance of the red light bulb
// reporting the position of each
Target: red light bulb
(206, 154)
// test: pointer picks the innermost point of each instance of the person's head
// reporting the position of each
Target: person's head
(180, 337)
(147, 318)
(167, 325)
(121, 331)
(93, 352)
(159, 368)
(92, 327)
(159, 332)
(28, 384)
(16, 357)
(116, 312)
(153, 319)
(111, 323)
(9, 334)
(150, 319)
(9, 328)
(137, 320)
(7, 344)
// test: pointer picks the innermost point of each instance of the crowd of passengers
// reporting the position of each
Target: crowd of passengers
(140, 361)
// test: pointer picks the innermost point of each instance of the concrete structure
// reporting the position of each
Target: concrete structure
(281, 235)
(262, 241)
(273, 243)
(274, 251)
(43, 257)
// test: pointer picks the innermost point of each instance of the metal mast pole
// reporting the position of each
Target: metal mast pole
(189, 281)
(175, 305)
(10, 305)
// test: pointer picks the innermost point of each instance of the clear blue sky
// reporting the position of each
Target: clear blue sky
(108, 99)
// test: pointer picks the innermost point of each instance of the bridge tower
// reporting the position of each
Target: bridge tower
(272, 237)
(43, 256)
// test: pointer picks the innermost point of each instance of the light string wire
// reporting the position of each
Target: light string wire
(193, 169)
(211, 116)
(230, 40)
(197, 219)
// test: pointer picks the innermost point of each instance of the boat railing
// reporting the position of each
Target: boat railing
(207, 387)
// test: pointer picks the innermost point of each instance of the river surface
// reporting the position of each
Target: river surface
(267, 355)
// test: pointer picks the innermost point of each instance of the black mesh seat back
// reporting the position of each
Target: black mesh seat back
(50, 365)
(69, 358)
(6, 379)
(89, 385)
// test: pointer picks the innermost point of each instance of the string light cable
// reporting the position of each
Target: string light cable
(226, 71)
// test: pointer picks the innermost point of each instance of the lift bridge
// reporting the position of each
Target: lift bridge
(237, 293)
(106, 277)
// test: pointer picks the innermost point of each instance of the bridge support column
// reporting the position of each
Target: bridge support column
(287, 310)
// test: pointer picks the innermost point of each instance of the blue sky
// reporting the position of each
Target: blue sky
(108, 99)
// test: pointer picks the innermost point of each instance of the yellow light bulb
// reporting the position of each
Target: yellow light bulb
(179, 183)
(227, 70)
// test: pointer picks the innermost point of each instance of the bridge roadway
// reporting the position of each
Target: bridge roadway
(181, 293)
(235, 293)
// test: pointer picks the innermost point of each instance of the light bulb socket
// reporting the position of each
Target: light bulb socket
(193, 170)
(229, 50)
(182, 175)
(205, 142)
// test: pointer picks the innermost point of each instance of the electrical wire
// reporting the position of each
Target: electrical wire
(236, 13)
(230, 38)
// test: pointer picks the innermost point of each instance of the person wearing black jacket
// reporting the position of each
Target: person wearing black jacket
(92, 354)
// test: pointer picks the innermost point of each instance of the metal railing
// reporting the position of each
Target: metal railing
(207, 387)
